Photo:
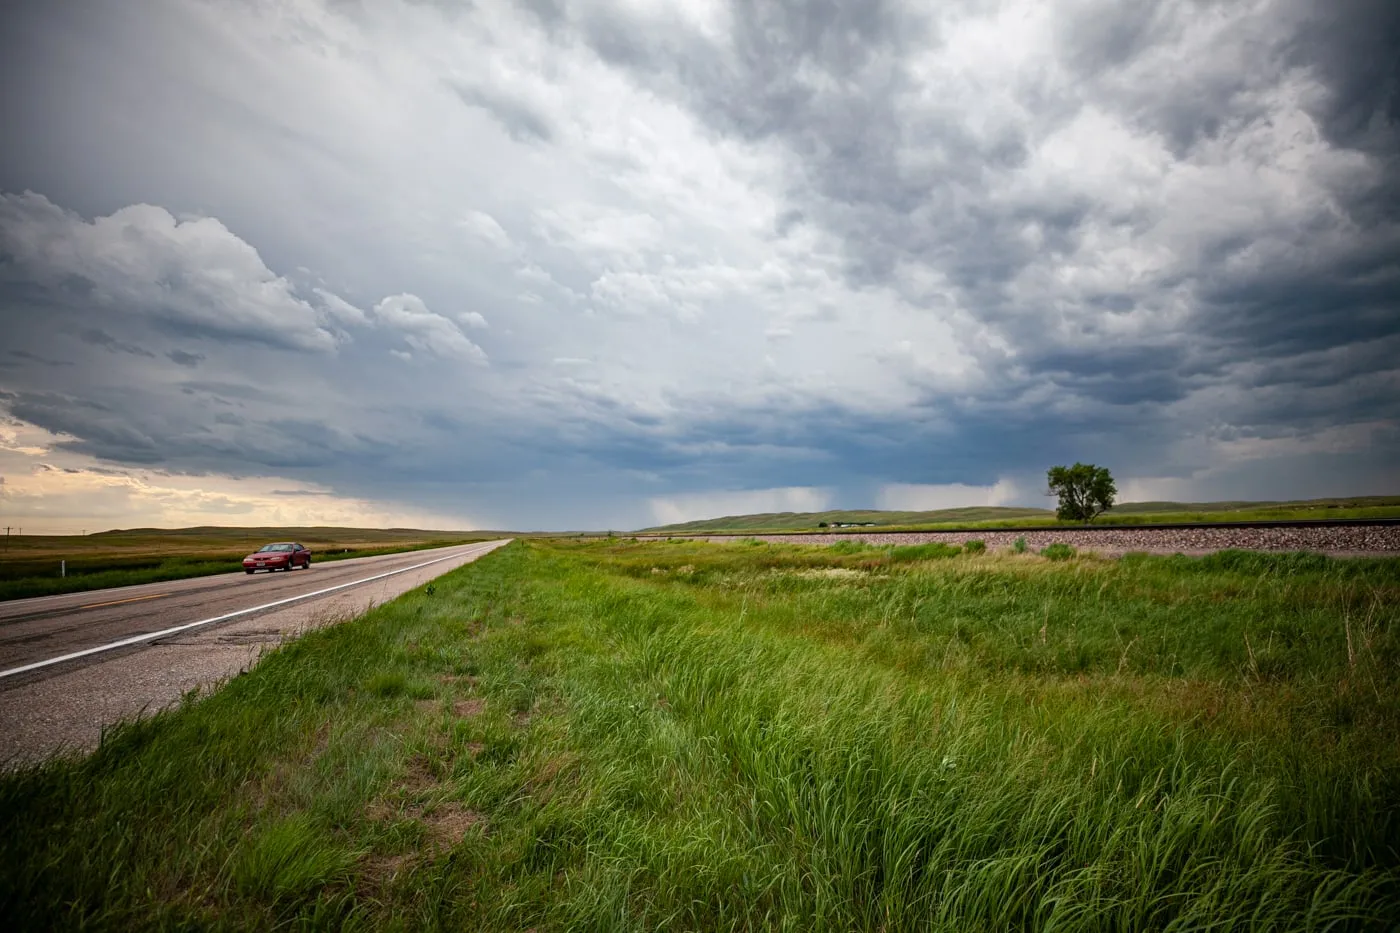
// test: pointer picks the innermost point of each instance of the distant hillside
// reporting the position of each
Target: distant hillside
(993, 516)
(1354, 502)
(806, 521)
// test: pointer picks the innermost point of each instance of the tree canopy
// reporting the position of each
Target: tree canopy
(1085, 490)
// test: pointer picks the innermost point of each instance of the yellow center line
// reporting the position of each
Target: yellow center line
(118, 602)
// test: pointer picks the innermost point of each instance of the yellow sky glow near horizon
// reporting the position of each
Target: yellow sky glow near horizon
(47, 490)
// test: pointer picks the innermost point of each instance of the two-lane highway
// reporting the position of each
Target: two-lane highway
(73, 664)
(35, 631)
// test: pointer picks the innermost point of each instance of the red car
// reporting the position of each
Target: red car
(285, 556)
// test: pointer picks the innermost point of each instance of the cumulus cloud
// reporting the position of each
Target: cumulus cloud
(140, 259)
(340, 310)
(486, 229)
(426, 331)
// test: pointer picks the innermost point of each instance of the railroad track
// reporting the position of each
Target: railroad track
(1342, 537)
(1023, 529)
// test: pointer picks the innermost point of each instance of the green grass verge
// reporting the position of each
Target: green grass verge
(619, 736)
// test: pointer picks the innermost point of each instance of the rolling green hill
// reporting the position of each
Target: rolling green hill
(1127, 513)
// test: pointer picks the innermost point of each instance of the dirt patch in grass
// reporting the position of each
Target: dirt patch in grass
(472, 706)
(447, 824)
(450, 821)
(421, 775)
(446, 821)
(380, 871)
(459, 683)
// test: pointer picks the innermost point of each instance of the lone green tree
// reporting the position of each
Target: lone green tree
(1085, 490)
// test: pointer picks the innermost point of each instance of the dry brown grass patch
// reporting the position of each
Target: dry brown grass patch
(450, 821)
(422, 774)
(382, 870)
(472, 706)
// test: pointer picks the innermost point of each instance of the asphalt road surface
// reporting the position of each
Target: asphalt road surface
(46, 707)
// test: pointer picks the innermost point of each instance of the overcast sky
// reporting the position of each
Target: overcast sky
(609, 263)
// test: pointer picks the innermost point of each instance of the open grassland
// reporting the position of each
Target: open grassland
(689, 736)
(29, 564)
(989, 517)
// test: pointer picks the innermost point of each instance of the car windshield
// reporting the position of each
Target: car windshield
(274, 547)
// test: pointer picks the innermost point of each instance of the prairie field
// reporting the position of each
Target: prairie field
(621, 735)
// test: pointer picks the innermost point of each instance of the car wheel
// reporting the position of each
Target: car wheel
(307, 565)
(248, 572)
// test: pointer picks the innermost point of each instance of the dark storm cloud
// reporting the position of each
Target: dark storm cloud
(148, 431)
(1354, 47)
(848, 133)
(95, 428)
(35, 358)
(1119, 376)
(100, 338)
(1102, 41)
(827, 444)
(183, 358)
(845, 131)
(1290, 310)
(1108, 34)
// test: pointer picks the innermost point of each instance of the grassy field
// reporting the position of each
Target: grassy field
(685, 736)
(29, 564)
(991, 518)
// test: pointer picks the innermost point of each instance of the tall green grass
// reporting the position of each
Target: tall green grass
(621, 736)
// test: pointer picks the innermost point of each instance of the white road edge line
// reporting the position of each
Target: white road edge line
(153, 636)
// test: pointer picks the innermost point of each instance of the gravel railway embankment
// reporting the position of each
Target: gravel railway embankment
(1378, 540)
